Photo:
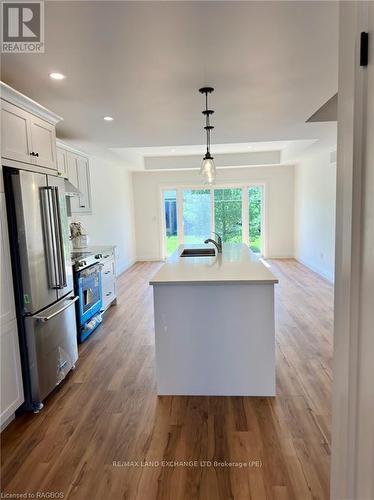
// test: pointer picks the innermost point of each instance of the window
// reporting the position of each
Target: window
(170, 214)
(255, 218)
(228, 214)
(196, 215)
(191, 214)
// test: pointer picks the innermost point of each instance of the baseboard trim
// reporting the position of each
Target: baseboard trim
(7, 421)
(279, 257)
(142, 258)
(324, 274)
(125, 267)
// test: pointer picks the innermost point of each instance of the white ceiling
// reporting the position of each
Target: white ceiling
(273, 64)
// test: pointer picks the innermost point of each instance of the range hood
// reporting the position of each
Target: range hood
(70, 189)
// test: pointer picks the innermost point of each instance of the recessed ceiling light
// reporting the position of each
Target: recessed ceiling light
(172, 150)
(249, 147)
(108, 118)
(56, 76)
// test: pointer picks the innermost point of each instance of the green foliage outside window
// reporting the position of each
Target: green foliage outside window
(255, 216)
(228, 214)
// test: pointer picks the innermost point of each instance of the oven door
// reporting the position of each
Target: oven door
(89, 291)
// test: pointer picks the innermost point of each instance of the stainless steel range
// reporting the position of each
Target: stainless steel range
(87, 284)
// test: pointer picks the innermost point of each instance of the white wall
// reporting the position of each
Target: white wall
(315, 195)
(279, 185)
(112, 219)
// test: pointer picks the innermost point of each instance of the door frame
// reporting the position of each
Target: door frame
(351, 217)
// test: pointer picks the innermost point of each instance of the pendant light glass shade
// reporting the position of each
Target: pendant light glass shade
(208, 170)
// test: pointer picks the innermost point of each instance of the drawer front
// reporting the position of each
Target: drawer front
(108, 274)
(108, 279)
(107, 270)
(53, 347)
(107, 256)
(109, 292)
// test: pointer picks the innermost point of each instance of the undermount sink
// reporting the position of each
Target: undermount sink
(198, 252)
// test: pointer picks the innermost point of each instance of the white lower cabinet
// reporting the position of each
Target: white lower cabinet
(11, 375)
(108, 283)
(10, 368)
(7, 309)
(108, 279)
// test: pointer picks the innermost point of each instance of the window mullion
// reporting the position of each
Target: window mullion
(180, 230)
(245, 215)
(212, 220)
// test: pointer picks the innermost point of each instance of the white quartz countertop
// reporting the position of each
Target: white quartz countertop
(95, 249)
(236, 264)
(101, 248)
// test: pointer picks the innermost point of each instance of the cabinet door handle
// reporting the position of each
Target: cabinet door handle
(109, 293)
(107, 272)
(34, 154)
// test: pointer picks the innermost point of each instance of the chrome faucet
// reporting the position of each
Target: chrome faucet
(217, 244)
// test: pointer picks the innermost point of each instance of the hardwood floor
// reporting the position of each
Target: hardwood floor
(107, 410)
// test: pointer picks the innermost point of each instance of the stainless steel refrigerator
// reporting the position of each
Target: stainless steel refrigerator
(43, 280)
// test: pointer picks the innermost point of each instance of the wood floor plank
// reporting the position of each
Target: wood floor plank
(108, 411)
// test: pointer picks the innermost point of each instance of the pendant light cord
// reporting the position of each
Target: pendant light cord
(207, 123)
(207, 113)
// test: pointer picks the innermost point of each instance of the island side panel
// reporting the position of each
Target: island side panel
(215, 339)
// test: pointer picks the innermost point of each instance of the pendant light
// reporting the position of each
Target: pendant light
(208, 169)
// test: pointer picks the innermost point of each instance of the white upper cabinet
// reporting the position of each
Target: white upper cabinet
(62, 162)
(83, 173)
(72, 168)
(78, 173)
(15, 133)
(28, 130)
(43, 140)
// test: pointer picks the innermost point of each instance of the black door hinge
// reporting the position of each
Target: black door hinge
(364, 49)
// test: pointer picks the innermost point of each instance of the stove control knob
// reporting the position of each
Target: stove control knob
(99, 256)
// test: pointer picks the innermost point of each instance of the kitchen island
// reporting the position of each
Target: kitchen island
(214, 324)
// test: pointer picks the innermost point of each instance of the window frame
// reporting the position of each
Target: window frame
(179, 188)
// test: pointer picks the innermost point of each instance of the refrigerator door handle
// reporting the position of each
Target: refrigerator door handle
(49, 237)
(56, 313)
(59, 239)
